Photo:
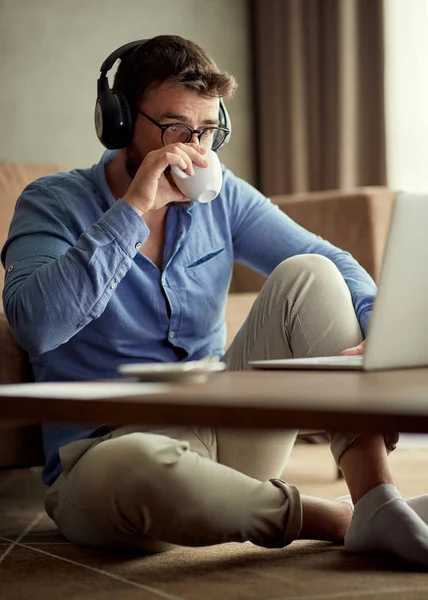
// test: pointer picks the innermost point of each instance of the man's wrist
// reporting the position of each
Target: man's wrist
(137, 209)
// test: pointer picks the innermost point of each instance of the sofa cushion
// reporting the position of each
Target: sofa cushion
(237, 309)
(14, 177)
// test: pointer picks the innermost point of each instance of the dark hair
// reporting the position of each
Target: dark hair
(175, 59)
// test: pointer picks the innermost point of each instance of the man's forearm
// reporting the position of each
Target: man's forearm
(46, 304)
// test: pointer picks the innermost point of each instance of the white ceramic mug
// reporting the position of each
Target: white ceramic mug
(205, 184)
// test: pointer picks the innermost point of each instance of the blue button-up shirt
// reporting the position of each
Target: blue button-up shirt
(82, 299)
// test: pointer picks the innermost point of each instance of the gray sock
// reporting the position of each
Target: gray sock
(383, 522)
(420, 506)
(418, 503)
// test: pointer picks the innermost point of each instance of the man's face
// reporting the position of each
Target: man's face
(167, 104)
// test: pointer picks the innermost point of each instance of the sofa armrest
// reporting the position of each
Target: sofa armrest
(14, 364)
(354, 220)
(20, 444)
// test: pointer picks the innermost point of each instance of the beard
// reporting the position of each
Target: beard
(133, 162)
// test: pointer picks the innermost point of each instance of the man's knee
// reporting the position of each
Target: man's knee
(309, 277)
(128, 462)
(142, 451)
(108, 494)
(306, 264)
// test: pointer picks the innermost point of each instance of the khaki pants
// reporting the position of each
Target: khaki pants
(151, 487)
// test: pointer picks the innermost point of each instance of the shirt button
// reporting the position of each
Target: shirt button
(163, 281)
(171, 334)
(112, 285)
(10, 269)
(138, 245)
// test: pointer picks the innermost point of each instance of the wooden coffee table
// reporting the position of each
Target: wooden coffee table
(333, 400)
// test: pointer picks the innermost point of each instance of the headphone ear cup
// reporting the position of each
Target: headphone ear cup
(113, 119)
(128, 121)
(114, 122)
(122, 129)
(224, 118)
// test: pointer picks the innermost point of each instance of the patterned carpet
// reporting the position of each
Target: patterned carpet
(38, 563)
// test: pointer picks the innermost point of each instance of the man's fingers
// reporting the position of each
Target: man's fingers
(169, 159)
(183, 157)
(350, 351)
(194, 152)
(354, 350)
(197, 147)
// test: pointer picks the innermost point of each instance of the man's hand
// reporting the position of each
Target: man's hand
(150, 188)
(360, 349)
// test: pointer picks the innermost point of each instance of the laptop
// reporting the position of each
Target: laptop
(398, 332)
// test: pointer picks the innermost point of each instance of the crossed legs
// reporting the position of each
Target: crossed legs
(305, 309)
(149, 488)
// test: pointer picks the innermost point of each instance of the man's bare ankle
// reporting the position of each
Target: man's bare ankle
(325, 519)
(343, 521)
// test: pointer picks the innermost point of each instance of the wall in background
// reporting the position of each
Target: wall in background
(51, 52)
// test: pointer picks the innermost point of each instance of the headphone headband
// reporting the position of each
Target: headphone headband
(114, 120)
(110, 60)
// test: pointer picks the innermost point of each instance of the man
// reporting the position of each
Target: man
(113, 264)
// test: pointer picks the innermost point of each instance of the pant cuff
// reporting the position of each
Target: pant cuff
(340, 442)
(293, 515)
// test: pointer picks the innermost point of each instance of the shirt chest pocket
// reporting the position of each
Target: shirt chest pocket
(211, 269)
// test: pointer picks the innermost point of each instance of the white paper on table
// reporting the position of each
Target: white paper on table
(86, 390)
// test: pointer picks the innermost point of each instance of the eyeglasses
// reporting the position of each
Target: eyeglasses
(209, 137)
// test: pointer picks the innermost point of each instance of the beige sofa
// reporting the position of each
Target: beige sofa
(355, 220)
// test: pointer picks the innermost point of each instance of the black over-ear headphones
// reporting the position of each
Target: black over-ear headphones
(114, 122)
